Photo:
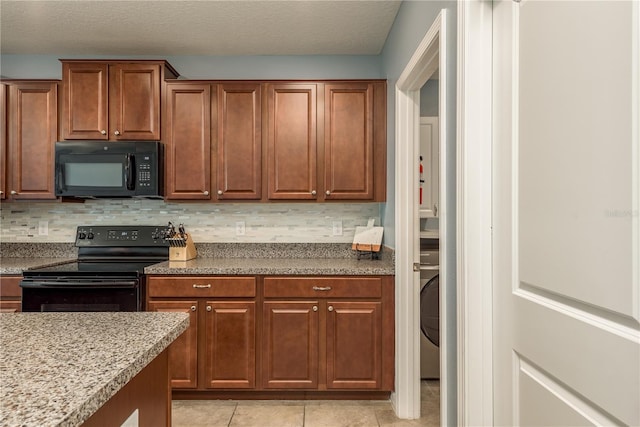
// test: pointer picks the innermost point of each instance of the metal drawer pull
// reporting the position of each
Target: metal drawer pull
(315, 308)
(208, 285)
(330, 308)
(193, 308)
(322, 288)
(208, 308)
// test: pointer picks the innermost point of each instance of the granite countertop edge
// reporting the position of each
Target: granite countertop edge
(230, 266)
(102, 396)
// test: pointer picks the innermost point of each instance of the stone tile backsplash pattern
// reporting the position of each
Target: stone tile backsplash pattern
(207, 222)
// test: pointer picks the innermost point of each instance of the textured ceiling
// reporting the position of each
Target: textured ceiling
(206, 27)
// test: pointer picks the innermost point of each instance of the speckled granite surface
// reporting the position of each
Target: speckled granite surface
(12, 265)
(38, 250)
(273, 266)
(57, 369)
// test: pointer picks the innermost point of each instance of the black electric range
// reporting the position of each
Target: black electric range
(107, 276)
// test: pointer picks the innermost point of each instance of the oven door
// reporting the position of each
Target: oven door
(81, 295)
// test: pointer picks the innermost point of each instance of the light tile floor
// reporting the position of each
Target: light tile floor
(303, 413)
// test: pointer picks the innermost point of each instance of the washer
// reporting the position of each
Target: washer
(429, 314)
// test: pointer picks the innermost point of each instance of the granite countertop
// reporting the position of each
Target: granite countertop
(57, 369)
(275, 266)
(16, 265)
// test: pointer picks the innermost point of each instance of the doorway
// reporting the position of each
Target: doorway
(429, 58)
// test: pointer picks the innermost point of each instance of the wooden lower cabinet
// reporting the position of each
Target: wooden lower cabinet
(183, 352)
(290, 344)
(218, 350)
(342, 339)
(280, 334)
(10, 294)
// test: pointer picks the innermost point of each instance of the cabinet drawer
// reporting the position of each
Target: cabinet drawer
(201, 286)
(320, 287)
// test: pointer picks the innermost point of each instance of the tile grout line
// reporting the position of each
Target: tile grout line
(232, 414)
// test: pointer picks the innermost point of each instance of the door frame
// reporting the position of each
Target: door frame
(474, 213)
(429, 56)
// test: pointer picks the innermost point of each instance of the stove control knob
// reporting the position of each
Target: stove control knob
(90, 235)
(82, 235)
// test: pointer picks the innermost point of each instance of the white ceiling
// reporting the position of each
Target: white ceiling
(205, 27)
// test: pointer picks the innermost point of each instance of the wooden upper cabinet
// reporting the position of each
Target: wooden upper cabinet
(348, 141)
(239, 142)
(134, 101)
(291, 141)
(33, 131)
(105, 100)
(187, 130)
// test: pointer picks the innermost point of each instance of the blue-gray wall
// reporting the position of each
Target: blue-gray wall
(215, 67)
(429, 99)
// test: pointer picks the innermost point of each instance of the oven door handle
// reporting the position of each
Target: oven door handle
(79, 285)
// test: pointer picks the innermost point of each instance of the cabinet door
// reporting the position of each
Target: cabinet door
(290, 344)
(183, 352)
(134, 102)
(354, 345)
(85, 112)
(33, 131)
(3, 141)
(348, 141)
(430, 179)
(239, 142)
(188, 141)
(230, 350)
(291, 141)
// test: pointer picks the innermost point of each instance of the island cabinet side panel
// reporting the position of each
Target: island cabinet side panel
(148, 392)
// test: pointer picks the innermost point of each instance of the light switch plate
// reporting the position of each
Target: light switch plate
(240, 228)
(43, 228)
(337, 228)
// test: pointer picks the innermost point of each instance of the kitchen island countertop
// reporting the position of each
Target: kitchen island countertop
(274, 266)
(57, 369)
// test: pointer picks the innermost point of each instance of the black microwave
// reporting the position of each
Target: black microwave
(111, 169)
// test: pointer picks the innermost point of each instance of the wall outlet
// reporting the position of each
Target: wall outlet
(43, 228)
(337, 228)
(240, 228)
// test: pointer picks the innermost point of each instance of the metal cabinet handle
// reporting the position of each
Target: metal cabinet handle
(193, 308)
(198, 286)
(328, 193)
(313, 192)
(330, 308)
(209, 308)
(315, 308)
(116, 133)
(219, 192)
(435, 210)
(103, 132)
(322, 288)
(14, 192)
(1, 192)
(205, 192)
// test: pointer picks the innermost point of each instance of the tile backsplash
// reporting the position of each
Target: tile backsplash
(207, 222)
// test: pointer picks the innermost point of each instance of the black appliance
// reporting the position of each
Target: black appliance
(112, 169)
(107, 276)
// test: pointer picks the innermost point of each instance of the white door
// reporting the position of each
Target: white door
(566, 191)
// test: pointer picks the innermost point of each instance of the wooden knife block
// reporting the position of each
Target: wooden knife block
(183, 253)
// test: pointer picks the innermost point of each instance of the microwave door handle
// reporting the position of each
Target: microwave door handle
(60, 178)
(129, 172)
